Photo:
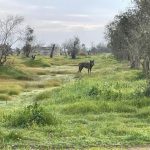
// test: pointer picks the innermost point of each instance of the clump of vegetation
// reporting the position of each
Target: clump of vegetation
(11, 72)
(32, 114)
(13, 136)
(147, 90)
(39, 62)
(94, 91)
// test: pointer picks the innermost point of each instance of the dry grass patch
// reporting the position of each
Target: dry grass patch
(10, 88)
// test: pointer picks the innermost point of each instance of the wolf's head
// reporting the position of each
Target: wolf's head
(92, 62)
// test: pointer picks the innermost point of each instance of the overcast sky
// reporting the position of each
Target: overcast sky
(58, 20)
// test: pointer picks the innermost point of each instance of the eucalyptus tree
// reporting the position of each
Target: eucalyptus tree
(29, 38)
(72, 46)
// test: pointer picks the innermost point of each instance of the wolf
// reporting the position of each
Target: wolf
(87, 65)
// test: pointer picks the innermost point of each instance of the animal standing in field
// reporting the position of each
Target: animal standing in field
(87, 65)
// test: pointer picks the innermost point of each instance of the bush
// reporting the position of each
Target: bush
(32, 114)
(147, 90)
(94, 91)
(37, 63)
(11, 72)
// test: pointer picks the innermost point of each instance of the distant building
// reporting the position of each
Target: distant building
(43, 50)
(46, 51)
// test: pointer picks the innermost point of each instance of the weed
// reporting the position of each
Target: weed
(32, 114)
(94, 91)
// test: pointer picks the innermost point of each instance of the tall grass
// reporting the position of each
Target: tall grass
(30, 115)
(12, 72)
(38, 62)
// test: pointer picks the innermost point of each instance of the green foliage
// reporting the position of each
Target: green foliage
(11, 72)
(39, 62)
(81, 108)
(94, 91)
(30, 115)
(147, 90)
(108, 107)
(13, 136)
(43, 95)
(1, 136)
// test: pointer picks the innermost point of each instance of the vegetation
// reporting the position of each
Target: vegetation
(9, 35)
(73, 47)
(32, 114)
(109, 107)
(47, 103)
(12, 72)
(129, 33)
(28, 48)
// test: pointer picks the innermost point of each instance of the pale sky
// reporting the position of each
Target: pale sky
(55, 21)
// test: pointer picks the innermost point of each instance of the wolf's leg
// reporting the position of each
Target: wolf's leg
(80, 68)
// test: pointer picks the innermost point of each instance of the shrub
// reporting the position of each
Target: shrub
(94, 91)
(37, 63)
(147, 90)
(32, 114)
(11, 72)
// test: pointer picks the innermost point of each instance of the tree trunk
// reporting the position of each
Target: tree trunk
(135, 62)
(73, 52)
(146, 66)
(73, 55)
(52, 51)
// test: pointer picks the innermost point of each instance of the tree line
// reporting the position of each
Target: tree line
(13, 31)
(128, 35)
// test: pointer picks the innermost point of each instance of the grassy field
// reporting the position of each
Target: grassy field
(46, 104)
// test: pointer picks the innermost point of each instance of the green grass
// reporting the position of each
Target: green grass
(31, 115)
(98, 111)
(38, 62)
(11, 72)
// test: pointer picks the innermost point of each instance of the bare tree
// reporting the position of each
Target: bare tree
(10, 33)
